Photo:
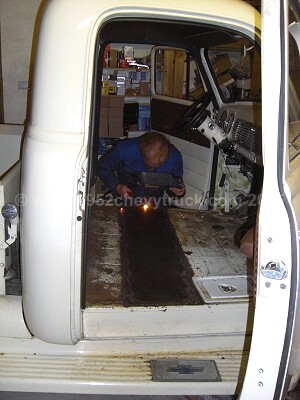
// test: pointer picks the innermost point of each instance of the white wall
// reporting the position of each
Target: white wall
(17, 19)
(10, 140)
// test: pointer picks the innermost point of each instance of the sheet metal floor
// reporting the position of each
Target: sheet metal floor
(204, 245)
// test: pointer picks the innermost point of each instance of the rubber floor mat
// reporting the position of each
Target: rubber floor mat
(155, 270)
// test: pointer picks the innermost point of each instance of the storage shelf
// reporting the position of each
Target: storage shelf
(125, 69)
(137, 99)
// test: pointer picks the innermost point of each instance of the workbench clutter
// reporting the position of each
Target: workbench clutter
(111, 116)
(128, 82)
(123, 74)
(124, 57)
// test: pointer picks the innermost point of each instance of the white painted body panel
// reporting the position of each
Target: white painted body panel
(56, 142)
(12, 321)
(93, 368)
(275, 225)
(49, 183)
(163, 321)
(118, 342)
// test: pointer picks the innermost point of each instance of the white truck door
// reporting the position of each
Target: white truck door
(270, 365)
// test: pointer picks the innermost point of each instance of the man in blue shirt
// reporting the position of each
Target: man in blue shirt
(151, 152)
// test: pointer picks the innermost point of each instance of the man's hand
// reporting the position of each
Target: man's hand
(124, 191)
(179, 191)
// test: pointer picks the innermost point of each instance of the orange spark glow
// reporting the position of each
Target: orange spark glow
(145, 207)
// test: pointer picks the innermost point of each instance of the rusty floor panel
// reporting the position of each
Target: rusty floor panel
(160, 252)
(103, 273)
(155, 269)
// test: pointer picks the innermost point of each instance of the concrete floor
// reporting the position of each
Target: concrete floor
(294, 395)
(60, 396)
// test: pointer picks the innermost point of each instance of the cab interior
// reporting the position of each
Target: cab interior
(191, 252)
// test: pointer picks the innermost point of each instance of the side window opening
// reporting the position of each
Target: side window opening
(237, 70)
(177, 75)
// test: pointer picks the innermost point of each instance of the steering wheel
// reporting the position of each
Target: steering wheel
(194, 115)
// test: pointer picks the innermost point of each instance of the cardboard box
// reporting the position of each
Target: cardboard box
(116, 131)
(105, 89)
(144, 124)
(144, 89)
(103, 127)
(128, 52)
(135, 76)
(115, 122)
(104, 112)
(116, 112)
(112, 90)
(225, 79)
(113, 58)
(222, 64)
(116, 101)
(105, 101)
(145, 76)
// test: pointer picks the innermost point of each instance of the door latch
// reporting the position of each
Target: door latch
(274, 270)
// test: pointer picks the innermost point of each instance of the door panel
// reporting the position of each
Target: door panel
(277, 275)
(163, 119)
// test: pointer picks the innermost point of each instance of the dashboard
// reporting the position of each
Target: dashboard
(241, 126)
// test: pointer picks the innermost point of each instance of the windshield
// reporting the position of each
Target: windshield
(237, 70)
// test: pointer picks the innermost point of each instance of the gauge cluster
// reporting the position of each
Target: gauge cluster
(226, 121)
(242, 131)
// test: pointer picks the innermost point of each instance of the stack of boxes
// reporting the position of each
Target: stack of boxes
(111, 116)
(140, 82)
(115, 82)
(145, 83)
(124, 81)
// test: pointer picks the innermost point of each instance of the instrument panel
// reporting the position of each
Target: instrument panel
(241, 125)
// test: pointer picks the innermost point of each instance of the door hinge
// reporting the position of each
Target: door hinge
(81, 186)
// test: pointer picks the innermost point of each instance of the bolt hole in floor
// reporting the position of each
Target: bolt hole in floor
(165, 256)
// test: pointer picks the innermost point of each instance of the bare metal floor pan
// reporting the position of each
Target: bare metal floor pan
(205, 243)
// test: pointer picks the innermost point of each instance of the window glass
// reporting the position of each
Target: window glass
(177, 75)
(237, 70)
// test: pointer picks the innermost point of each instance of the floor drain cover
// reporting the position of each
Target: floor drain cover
(185, 371)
